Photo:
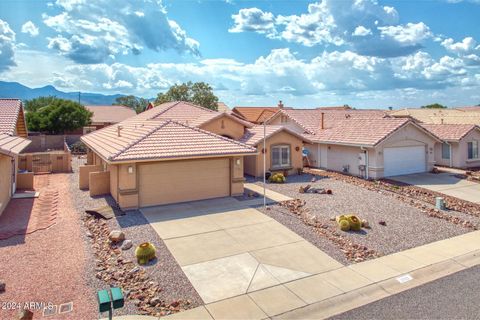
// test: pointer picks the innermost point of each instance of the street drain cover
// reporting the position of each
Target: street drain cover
(66, 307)
(49, 311)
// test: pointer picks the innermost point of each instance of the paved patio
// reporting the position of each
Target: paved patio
(445, 183)
(227, 249)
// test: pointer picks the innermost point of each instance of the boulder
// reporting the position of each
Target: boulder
(127, 244)
(116, 236)
(25, 314)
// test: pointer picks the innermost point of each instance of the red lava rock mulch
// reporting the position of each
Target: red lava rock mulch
(24, 216)
(48, 266)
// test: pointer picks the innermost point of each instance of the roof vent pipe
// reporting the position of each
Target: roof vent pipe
(280, 104)
(119, 128)
(322, 117)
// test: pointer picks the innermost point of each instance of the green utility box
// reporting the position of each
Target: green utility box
(104, 301)
(117, 298)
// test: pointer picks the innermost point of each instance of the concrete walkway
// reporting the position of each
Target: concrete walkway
(227, 249)
(269, 193)
(445, 183)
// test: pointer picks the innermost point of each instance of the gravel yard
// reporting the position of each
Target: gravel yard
(406, 225)
(165, 271)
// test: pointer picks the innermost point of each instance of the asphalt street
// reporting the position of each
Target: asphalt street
(454, 297)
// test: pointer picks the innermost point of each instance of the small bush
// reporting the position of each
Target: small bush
(277, 178)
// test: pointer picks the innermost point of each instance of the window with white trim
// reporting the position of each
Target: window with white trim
(445, 151)
(281, 156)
(472, 149)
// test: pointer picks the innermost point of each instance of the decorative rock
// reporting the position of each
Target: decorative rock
(127, 244)
(116, 236)
(89, 234)
(25, 314)
(2, 286)
(333, 218)
(365, 224)
(382, 223)
(313, 180)
(154, 301)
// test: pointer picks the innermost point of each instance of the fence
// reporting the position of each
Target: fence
(46, 162)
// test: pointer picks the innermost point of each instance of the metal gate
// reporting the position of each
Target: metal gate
(41, 162)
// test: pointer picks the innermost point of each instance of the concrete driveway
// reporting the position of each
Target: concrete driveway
(227, 249)
(445, 183)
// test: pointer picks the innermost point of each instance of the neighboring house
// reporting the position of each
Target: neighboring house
(222, 107)
(13, 131)
(256, 115)
(283, 148)
(440, 116)
(460, 146)
(104, 116)
(365, 143)
(175, 152)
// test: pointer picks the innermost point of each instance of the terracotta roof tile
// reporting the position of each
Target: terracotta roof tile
(110, 114)
(9, 112)
(440, 116)
(254, 135)
(255, 114)
(11, 145)
(450, 132)
(160, 140)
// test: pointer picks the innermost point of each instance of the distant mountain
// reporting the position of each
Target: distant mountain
(17, 90)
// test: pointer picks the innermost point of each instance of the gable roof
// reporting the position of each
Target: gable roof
(149, 140)
(440, 116)
(450, 132)
(11, 145)
(110, 114)
(255, 114)
(222, 107)
(10, 112)
(254, 135)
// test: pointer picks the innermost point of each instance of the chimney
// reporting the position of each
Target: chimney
(280, 104)
(441, 120)
(119, 128)
(322, 117)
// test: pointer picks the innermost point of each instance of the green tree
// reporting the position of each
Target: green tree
(434, 106)
(199, 93)
(137, 104)
(55, 116)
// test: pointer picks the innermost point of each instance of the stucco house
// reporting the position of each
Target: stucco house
(13, 131)
(256, 115)
(365, 143)
(174, 152)
(460, 144)
(104, 116)
(440, 116)
(283, 150)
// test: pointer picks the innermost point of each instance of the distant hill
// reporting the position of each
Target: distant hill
(17, 90)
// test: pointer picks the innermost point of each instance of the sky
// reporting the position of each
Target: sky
(364, 53)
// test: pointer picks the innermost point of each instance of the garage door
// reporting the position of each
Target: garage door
(403, 160)
(181, 181)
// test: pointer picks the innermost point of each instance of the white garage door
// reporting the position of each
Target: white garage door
(403, 160)
(181, 181)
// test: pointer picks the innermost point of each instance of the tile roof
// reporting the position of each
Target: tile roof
(310, 119)
(359, 131)
(110, 114)
(469, 108)
(222, 107)
(12, 145)
(255, 114)
(450, 132)
(160, 140)
(254, 135)
(439, 116)
(9, 112)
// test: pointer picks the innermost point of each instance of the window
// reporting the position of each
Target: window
(280, 156)
(473, 150)
(445, 151)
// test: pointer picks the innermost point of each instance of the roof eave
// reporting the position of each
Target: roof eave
(225, 155)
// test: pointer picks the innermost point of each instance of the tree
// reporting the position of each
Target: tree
(199, 93)
(55, 116)
(137, 104)
(434, 106)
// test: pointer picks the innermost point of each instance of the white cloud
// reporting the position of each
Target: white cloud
(99, 31)
(7, 46)
(467, 45)
(363, 25)
(30, 28)
(361, 31)
(254, 19)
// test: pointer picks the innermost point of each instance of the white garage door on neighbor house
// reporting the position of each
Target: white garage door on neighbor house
(403, 160)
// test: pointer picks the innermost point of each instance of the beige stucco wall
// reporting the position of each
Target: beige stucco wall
(463, 150)
(237, 175)
(113, 181)
(99, 183)
(254, 164)
(5, 181)
(338, 157)
(25, 181)
(225, 126)
(84, 175)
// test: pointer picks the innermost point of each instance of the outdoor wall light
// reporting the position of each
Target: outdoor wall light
(238, 162)
(297, 148)
(130, 169)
